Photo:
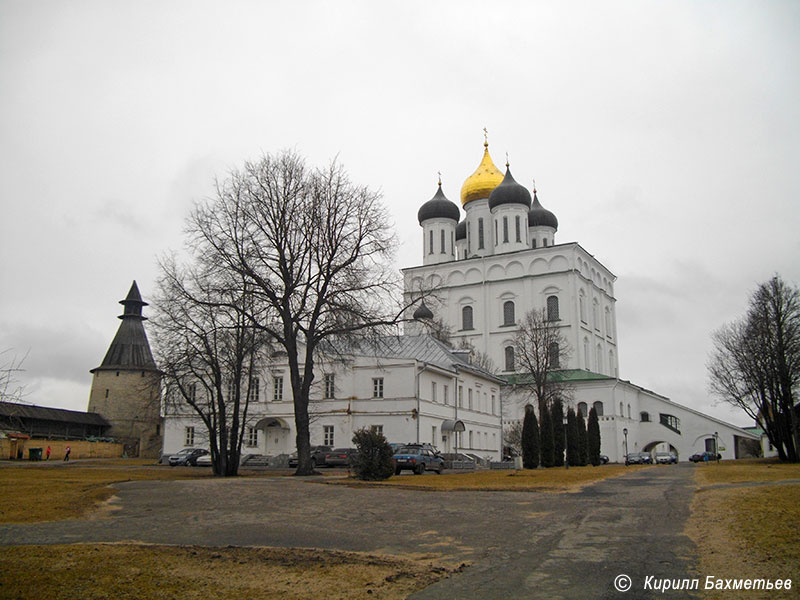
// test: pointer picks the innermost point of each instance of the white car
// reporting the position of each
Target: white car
(203, 461)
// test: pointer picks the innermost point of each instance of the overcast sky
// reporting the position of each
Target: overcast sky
(664, 136)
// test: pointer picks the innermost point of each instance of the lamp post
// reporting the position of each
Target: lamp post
(566, 444)
(625, 433)
(716, 447)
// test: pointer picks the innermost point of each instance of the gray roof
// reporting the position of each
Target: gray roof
(130, 349)
(423, 348)
(42, 413)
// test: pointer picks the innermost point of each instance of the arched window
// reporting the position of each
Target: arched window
(644, 416)
(595, 315)
(555, 358)
(466, 318)
(629, 411)
(598, 408)
(508, 313)
(442, 249)
(505, 230)
(599, 359)
(621, 410)
(430, 242)
(582, 409)
(608, 321)
(519, 230)
(509, 358)
(586, 362)
(582, 306)
(480, 233)
(552, 308)
(612, 368)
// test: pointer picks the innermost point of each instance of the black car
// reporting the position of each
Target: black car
(186, 457)
(339, 457)
(701, 456)
(317, 457)
(603, 459)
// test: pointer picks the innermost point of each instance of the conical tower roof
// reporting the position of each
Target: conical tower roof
(130, 349)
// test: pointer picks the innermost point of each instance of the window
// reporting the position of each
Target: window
(433, 391)
(466, 317)
(252, 437)
(461, 396)
(555, 355)
(599, 359)
(505, 229)
(670, 422)
(519, 229)
(595, 315)
(598, 408)
(253, 390)
(469, 396)
(327, 435)
(552, 308)
(442, 242)
(231, 389)
(376, 429)
(480, 233)
(188, 437)
(582, 409)
(621, 410)
(494, 406)
(469, 237)
(629, 411)
(330, 385)
(544, 243)
(533, 243)
(496, 237)
(508, 313)
(644, 417)
(377, 387)
(608, 322)
(430, 242)
(277, 389)
(509, 356)
(446, 395)
(582, 306)
(192, 392)
(586, 362)
(452, 243)
(433, 435)
(470, 439)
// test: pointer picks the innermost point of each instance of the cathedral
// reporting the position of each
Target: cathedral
(482, 273)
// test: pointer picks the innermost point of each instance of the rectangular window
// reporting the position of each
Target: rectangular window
(519, 230)
(277, 389)
(480, 234)
(494, 406)
(430, 242)
(192, 392)
(533, 243)
(252, 437)
(442, 240)
(188, 438)
(231, 390)
(330, 385)
(461, 396)
(496, 237)
(327, 435)
(469, 396)
(446, 400)
(377, 429)
(377, 387)
(253, 391)
(452, 244)
(433, 435)
(433, 391)
(505, 229)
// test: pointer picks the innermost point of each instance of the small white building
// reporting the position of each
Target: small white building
(410, 388)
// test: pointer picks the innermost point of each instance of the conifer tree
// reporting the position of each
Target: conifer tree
(546, 438)
(583, 445)
(572, 439)
(557, 415)
(593, 438)
(530, 439)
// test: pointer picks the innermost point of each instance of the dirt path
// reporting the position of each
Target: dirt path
(521, 544)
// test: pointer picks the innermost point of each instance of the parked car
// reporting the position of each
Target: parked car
(647, 458)
(634, 458)
(417, 459)
(666, 458)
(701, 456)
(186, 457)
(339, 457)
(603, 459)
(317, 457)
(203, 461)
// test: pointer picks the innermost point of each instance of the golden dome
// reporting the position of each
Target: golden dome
(481, 183)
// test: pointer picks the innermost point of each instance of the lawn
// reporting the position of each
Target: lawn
(544, 480)
(747, 531)
(131, 572)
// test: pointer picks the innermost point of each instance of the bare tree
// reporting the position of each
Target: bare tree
(478, 358)
(755, 364)
(209, 352)
(315, 250)
(541, 351)
(10, 368)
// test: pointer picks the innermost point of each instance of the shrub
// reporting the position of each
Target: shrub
(573, 458)
(372, 460)
(530, 440)
(593, 438)
(583, 443)
(557, 418)
(546, 437)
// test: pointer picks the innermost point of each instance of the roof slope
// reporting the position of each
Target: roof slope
(42, 413)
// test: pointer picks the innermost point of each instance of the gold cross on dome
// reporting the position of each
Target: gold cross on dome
(485, 136)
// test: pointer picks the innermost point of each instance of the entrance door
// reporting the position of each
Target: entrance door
(276, 439)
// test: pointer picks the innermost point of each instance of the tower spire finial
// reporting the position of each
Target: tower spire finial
(507, 163)
(440, 178)
(485, 137)
(534, 185)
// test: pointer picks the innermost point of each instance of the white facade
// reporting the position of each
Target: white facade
(413, 390)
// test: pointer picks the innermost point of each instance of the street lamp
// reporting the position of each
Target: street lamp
(716, 447)
(625, 433)
(566, 444)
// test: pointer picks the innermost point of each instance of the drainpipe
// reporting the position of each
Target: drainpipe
(419, 372)
(455, 413)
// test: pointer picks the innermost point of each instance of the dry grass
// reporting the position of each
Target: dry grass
(190, 572)
(742, 471)
(748, 532)
(556, 479)
(37, 492)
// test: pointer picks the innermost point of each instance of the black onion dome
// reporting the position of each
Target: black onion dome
(461, 230)
(540, 216)
(509, 192)
(438, 207)
(422, 313)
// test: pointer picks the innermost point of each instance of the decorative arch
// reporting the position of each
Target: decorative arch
(496, 272)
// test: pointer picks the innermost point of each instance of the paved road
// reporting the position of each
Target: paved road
(520, 544)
